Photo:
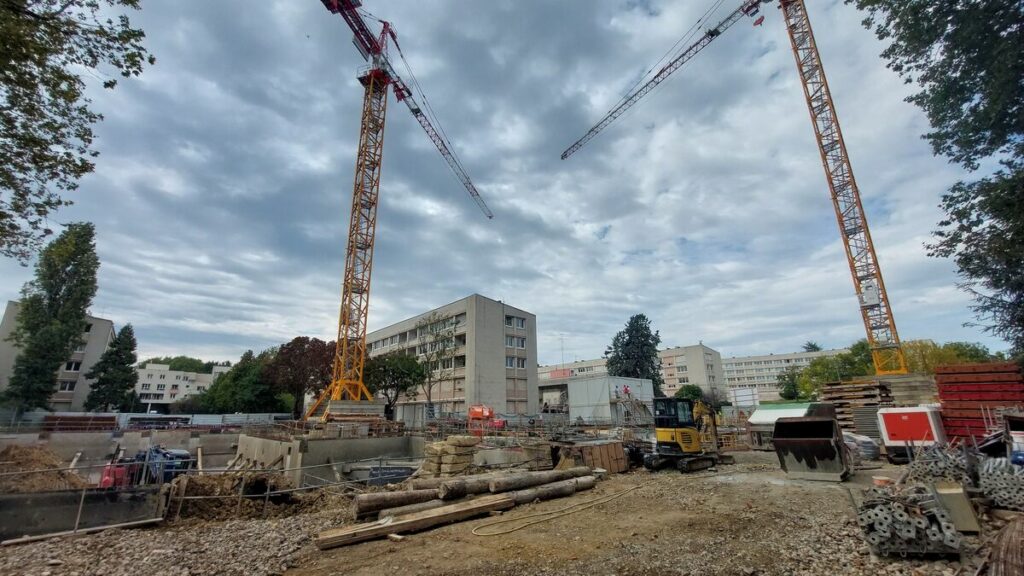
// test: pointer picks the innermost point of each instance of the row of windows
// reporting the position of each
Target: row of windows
(515, 362)
(419, 332)
(515, 322)
(775, 362)
(515, 342)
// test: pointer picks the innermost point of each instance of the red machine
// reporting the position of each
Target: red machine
(904, 428)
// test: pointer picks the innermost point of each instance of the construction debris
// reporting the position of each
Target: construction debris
(249, 495)
(1007, 556)
(449, 458)
(939, 462)
(1003, 482)
(53, 475)
(906, 520)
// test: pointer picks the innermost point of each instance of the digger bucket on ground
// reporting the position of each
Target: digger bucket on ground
(811, 448)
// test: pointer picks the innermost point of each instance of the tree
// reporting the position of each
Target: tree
(437, 346)
(634, 353)
(689, 392)
(811, 346)
(392, 376)
(969, 352)
(46, 119)
(115, 374)
(245, 388)
(788, 382)
(302, 366)
(843, 366)
(51, 318)
(968, 59)
(924, 355)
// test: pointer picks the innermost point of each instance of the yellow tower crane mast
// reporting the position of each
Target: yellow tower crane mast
(875, 309)
(350, 350)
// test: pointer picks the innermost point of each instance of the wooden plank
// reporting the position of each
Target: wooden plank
(413, 522)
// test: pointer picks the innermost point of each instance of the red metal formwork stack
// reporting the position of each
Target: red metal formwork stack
(970, 393)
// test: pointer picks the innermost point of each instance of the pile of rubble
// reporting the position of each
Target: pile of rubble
(452, 457)
(242, 495)
(55, 475)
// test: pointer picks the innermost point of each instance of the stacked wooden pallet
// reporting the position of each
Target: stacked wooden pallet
(970, 392)
(847, 396)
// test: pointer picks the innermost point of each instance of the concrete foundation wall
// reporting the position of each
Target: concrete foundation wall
(46, 512)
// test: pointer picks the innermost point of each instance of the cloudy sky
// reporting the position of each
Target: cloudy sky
(222, 189)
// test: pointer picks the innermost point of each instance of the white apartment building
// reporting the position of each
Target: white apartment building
(159, 386)
(762, 372)
(680, 365)
(72, 386)
(492, 359)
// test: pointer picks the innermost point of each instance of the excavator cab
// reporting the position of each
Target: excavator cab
(677, 438)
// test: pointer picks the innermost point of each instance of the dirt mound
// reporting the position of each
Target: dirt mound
(220, 496)
(16, 458)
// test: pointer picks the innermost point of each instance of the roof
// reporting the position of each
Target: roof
(768, 414)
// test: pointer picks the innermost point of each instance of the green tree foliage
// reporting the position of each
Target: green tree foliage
(788, 383)
(194, 404)
(689, 392)
(968, 59)
(51, 319)
(844, 366)
(45, 119)
(115, 375)
(247, 387)
(924, 355)
(634, 353)
(185, 364)
(811, 346)
(302, 366)
(392, 376)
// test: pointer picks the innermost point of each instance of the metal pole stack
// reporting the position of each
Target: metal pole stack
(906, 520)
(1002, 482)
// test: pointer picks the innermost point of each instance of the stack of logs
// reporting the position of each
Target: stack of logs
(434, 501)
(449, 458)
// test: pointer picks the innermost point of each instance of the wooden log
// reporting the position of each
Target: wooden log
(411, 508)
(364, 504)
(529, 479)
(458, 487)
(435, 483)
(553, 490)
(413, 522)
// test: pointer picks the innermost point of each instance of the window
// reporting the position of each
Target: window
(67, 385)
(510, 361)
(162, 376)
(446, 363)
(521, 343)
(510, 341)
(520, 362)
(684, 380)
(177, 377)
(150, 376)
(145, 385)
(88, 327)
(508, 321)
(173, 395)
(201, 388)
(80, 348)
(520, 322)
(681, 368)
(173, 386)
(72, 366)
(161, 386)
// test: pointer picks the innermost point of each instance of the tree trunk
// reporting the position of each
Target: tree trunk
(365, 504)
(457, 488)
(553, 490)
(528, 479)
(410, 508)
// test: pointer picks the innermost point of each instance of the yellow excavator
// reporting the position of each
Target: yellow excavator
(678, 425)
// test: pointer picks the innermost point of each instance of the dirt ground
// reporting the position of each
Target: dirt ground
(743, 519)
(15, 458)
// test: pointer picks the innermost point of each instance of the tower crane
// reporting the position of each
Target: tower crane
(876, 312)
(350, 351)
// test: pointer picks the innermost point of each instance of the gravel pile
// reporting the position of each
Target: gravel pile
(237, 547)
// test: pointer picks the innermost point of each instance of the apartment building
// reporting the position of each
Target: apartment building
(761, 373)
(158, 386)
(681, 365)
(72, 386)
(490, 357)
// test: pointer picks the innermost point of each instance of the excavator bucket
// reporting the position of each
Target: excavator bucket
(811, 448)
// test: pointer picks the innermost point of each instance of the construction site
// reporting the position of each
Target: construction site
(895, 473)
